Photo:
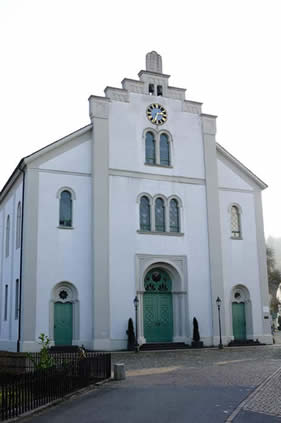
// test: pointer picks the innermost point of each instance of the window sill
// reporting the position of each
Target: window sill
(160, 233)
(158, 165)
(236, 239)
(65, 227)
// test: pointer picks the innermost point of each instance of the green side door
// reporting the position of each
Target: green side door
(63, 324)
(239, 321)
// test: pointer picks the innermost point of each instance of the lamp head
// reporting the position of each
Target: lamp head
(136, 301)
(218, 302)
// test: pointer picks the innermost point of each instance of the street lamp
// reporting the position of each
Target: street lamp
(136, 304)
(218, 302)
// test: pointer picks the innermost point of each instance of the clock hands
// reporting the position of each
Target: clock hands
(156, 114)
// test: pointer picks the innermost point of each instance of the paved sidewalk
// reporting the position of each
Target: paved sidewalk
(263, 405)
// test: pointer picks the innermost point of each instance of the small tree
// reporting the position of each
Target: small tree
(131, 335)
(45, 360)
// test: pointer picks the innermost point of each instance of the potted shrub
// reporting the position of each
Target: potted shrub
(196, 343)
(131, 335)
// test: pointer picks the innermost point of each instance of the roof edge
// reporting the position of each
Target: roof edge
(57, 143)
(12, 179)
(242, 167)
(27, 159)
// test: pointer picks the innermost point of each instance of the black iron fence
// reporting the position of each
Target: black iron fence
(37, 387)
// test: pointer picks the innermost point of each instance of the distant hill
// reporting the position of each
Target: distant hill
(275, 245)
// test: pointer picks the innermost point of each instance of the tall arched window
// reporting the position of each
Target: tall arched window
(145, 224)
(7, 249)
(150, 156)
(174, 216)
(66, 209)
(18, 229)
(164, 150)
(235, 222)
(159, 215)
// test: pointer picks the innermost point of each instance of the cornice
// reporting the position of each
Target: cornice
(208, 116)
(117, 94)
(192, 107)
(131, 85)
(99, 98)
(161, 75)
(155, 176)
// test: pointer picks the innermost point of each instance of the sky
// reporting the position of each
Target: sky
(54, 54)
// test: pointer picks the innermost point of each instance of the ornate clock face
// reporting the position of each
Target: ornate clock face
(156, 114)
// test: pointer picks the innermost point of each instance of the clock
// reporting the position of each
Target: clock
(156, 114)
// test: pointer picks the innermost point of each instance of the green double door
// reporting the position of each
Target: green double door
(158, 307)
(63, 324)
(239, 321)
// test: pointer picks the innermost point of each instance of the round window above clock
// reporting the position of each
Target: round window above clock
(156, 114)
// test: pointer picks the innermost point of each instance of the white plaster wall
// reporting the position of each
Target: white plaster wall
(126, 126)
(227, 178)
(75, 159)
(9, 267)
(125, 243)
(240, 259)
(64, 254)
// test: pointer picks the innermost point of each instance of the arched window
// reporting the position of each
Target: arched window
(7, 249)
(18, 229)
(164, 150)
(66, 209)
(235, 222)
(145, 214)
(150, 148)
(159, 215)
(174, 216)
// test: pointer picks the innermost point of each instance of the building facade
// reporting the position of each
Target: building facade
(142, 201)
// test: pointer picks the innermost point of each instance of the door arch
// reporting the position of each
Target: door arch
(158, 306)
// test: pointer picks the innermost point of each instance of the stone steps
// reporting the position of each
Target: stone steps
(162, 346)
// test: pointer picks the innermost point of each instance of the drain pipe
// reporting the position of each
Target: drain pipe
(21, 248)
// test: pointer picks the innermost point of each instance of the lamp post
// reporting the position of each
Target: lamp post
(136, 304)
(218, 302)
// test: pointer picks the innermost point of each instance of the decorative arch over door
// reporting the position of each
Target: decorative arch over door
(158, 306)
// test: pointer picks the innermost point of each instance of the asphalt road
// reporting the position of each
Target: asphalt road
(148, 403)
(197, 387)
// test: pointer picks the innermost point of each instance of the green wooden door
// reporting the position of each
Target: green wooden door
(63, 324)
(239, 321)
(158, 307)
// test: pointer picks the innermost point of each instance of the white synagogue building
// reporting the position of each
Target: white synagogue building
(141, 202)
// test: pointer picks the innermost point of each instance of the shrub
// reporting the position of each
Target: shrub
(131, 335)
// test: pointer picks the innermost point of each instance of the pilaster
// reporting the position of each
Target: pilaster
(213, 217)
(99, 114)
(29, 258)
(263, 278)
